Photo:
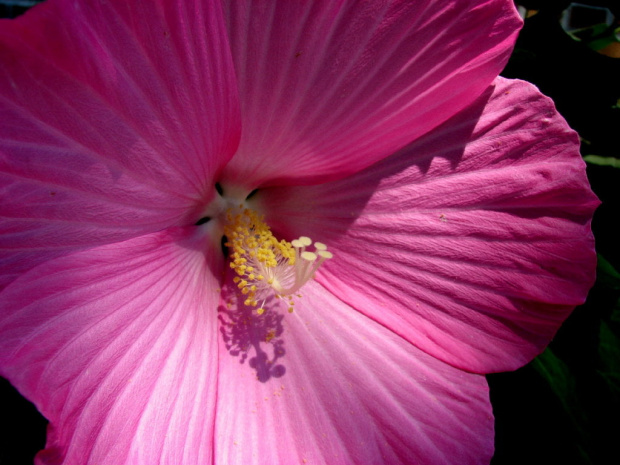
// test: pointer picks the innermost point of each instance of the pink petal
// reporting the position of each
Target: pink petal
(117, 116)
(473, 243)
(116, 347)
(335, 387)
(328, 88)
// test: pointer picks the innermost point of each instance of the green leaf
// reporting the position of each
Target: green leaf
(607, 274)
(609, 351)
(562, 382)
(603, 161)
(560, 379)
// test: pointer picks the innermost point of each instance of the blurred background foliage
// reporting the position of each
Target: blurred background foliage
(564, 407)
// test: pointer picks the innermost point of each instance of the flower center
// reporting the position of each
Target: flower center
(263, 264)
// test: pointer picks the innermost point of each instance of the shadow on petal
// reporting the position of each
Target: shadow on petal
(253, 338)
(326, 212)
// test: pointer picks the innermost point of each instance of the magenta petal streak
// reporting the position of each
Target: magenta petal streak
(112, 126)
(117, 346)
(345, 84)
(353, 392)
(473, 242)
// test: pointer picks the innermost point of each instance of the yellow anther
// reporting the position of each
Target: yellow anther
(265, 265)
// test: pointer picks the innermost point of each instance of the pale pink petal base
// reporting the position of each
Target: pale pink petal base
(473, 243)
(328, 88)
(327, 385)
(117, 348)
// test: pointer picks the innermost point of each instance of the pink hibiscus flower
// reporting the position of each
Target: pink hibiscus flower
(453, 203)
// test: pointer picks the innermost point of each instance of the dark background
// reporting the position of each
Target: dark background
(563, 408)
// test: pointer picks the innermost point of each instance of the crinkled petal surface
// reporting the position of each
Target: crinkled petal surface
(115, 118)
(473, 243)
(330, 87)
(327, 385)
(117, 348)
